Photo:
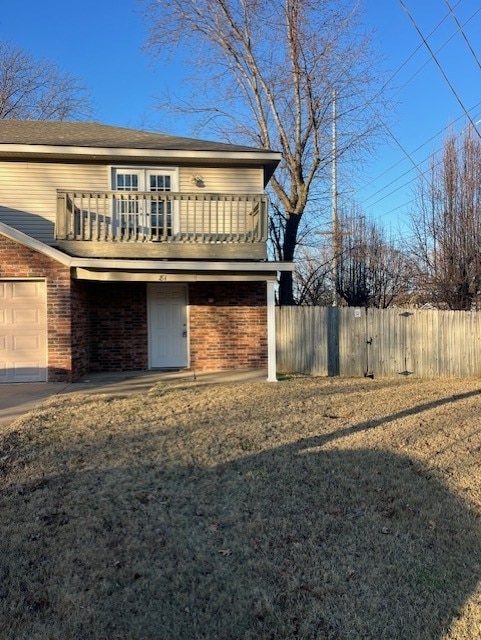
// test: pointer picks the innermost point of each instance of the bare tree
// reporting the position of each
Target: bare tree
(37, 89)
(313, 277)
(447, 225)
(267, 72)
(372, 270)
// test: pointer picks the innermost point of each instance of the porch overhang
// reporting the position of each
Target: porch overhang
(176, 271)
(146, 276)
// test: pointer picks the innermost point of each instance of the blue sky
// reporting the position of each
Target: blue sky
(101, 43)
(425, 107)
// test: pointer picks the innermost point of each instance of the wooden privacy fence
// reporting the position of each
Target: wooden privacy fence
(349, 341)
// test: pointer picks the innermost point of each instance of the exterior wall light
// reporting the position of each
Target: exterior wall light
(198, 181)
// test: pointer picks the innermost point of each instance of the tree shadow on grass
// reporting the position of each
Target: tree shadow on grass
(292, 542)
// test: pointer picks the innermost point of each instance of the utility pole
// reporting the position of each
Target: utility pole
(334, 213)
(335, 232)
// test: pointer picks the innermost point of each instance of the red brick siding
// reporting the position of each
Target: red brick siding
(231, 331)
(117, 326)
(80, 328)
(98, 326)
(18, 261)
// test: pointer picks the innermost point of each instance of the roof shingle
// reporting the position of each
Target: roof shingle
(95, 135)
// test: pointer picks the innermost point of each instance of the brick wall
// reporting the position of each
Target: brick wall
(117, 326)
(230, 332)
(101, 326)
(18, 261)
(80, 329)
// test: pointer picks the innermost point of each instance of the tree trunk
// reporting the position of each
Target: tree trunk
(286, 291)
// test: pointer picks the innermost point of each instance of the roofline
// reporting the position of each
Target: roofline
(59, 150)
(142, 265)
(33, 243)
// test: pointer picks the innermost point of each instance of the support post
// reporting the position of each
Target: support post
(61, 220)
(271, 332)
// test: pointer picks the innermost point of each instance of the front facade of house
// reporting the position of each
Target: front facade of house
(127, 250)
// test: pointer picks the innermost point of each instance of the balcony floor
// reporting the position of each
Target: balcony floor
(165, 250)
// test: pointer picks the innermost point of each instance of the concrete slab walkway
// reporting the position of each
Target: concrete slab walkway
(17, 399)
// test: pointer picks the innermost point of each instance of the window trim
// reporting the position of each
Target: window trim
(144, 171)
(172, 171)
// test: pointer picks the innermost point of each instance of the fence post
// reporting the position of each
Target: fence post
(333, 320)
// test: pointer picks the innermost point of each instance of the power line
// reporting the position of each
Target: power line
(433, 55)
(417, 166)
(466, 113)
(440, 48)
(410, 57)
(400, 206)
(421, 174)
(408, 155)
(460, 29)
(368, 103)
(418, 148)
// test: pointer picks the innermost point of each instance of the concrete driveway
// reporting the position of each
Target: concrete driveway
(20, 398)
(17, 399)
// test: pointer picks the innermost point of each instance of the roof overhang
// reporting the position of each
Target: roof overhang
(36, 245)
(60, 153)
(63, 150)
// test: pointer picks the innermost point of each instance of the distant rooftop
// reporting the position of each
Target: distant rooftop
(95, 135)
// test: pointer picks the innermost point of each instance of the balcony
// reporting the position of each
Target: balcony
(134, 224)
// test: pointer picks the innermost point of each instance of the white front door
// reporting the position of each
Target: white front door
(167, 326)
(23, 331)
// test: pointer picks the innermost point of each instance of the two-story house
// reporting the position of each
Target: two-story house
(127, 250)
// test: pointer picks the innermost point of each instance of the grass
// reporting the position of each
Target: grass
(312, 509)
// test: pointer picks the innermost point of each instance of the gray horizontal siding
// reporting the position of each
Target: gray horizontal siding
(28, 192)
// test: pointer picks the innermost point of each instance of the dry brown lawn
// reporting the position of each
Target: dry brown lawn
(308, 509)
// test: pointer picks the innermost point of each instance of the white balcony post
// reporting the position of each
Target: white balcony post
(61, 220)
(271, 332)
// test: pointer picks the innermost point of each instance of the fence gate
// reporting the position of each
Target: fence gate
(389, 342)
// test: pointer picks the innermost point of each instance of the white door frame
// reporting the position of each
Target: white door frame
(151, 287)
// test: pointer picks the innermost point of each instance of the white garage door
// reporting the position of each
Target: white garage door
(23, 331)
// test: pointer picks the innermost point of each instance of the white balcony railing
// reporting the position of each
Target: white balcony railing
(133, 216)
